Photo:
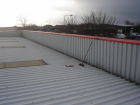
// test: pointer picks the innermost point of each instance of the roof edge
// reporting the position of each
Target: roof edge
(127, 41)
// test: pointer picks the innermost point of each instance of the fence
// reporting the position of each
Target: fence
(117, 56)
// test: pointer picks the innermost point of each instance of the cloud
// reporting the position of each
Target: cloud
(122, 9)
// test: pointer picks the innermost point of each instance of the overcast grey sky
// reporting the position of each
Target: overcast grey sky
(43, 12)
(122, 9)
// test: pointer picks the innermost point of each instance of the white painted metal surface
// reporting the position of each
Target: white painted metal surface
(117, 58)
(55, 84)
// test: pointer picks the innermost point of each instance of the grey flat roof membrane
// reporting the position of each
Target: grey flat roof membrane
(56, 84)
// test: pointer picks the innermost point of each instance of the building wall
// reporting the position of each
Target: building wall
(116, 56)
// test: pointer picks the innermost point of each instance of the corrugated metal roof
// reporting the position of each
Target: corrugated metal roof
(55, 84)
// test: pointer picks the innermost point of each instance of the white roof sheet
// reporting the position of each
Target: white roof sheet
(55, 84)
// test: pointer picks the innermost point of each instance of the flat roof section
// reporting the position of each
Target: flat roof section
(56, 84)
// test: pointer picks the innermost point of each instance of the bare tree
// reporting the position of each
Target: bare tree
(23, 21)
(71, 20)
(94, 22)
(98, 18)
(127, 22)
(98, 22)
(89, 19)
